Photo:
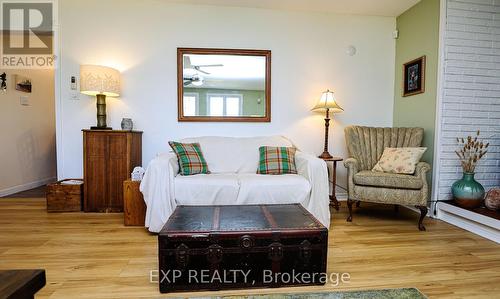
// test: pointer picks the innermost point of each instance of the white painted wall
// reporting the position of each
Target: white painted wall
(470, 99)
(308, 56)
(27, 133)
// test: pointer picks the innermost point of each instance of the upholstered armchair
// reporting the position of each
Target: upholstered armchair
(365, 146)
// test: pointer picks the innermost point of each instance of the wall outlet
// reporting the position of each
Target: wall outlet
(24, 100)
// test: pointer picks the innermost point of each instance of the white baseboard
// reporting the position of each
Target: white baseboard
(340, 193)
(412, 208)
(27, 186)
(341, 197)
(486, 227)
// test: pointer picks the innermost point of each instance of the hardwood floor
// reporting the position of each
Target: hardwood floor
(96, 256)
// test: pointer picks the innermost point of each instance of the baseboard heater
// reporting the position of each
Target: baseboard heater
(484, 226)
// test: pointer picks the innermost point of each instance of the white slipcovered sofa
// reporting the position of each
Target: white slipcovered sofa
(233, 163)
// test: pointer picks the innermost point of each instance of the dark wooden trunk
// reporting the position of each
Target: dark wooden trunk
(227, 247)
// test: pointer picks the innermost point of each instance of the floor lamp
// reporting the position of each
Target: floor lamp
(327, 102)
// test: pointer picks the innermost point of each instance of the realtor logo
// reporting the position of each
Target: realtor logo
(27, 35)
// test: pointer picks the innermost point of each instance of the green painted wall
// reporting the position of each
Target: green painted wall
(250, 97)
(418, 35)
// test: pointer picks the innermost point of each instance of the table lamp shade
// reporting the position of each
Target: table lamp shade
(327, 101)
(95, 79)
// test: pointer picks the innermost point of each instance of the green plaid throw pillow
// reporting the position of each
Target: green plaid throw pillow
(276, 160)
(191, 160)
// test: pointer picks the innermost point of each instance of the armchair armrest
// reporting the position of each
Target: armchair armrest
(421, 169)
(352, 166)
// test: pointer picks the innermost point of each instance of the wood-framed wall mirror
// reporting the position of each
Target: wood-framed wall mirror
(223, 85)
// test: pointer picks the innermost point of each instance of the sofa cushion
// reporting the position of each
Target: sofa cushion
(277, 160)
(235, 154)
(236, 189)
(387, 180)
(206, 189)
(408, 197)
(272, 189)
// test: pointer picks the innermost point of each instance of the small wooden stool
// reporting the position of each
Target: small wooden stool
(134, 207)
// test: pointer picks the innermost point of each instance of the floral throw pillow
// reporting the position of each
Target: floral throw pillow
(400, 160)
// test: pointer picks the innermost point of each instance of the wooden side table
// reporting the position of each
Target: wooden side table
(134, 207)
(333, 198)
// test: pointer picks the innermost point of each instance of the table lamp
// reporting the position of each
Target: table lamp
(327, 102)
(100, 81)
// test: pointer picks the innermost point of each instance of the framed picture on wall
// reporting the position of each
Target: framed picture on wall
(22, 83)
(414, 77)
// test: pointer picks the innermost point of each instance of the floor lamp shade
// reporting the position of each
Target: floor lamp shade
(100, 81)
(327, 103)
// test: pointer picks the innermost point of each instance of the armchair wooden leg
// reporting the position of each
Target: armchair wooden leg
(349, 206)
(423, 213)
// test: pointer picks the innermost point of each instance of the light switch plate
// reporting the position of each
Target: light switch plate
(24, 100)
(73, 83)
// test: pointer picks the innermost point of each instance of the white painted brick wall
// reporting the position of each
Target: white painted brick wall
(471, 98)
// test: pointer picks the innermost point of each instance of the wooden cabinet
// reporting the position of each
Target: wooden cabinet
(108, 159)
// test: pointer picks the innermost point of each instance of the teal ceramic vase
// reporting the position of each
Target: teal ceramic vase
(467, 192)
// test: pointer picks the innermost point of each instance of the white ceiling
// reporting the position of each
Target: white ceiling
(389, 8)
(236, 72)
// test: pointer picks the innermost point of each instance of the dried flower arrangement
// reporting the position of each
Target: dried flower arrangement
(471, 152)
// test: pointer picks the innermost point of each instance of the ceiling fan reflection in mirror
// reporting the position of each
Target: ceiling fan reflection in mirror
(195, 80)
(188, 65)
